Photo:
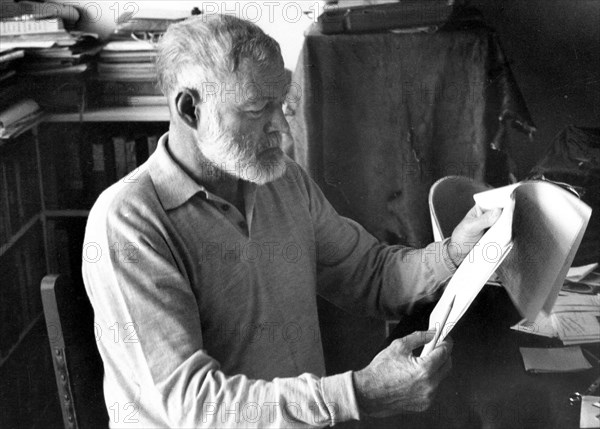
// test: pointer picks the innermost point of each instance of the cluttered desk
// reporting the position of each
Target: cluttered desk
(526, 347)
(510, 371)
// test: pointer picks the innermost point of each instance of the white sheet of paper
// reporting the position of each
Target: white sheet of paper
(471, 275)
(563, 359)
(569, 302)
(548, 225)
(588, 417)
(544, 325)
(574, 328)
(575, 274)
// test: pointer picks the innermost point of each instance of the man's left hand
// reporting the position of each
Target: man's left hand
(469, 231)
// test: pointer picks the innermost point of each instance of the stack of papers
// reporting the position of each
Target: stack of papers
(575, 319)
(566, 359)
(18, 117)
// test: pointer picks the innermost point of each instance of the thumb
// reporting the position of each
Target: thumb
(477, 221)
(416, 340)
(439, 355)
(489, 218)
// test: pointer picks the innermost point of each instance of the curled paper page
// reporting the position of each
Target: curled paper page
(548, 226)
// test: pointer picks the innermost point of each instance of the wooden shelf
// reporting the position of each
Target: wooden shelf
(115, 114)
(24, 334)
(19, 234)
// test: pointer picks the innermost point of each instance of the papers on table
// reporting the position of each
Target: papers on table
(578, 328)
(576, 274)
(565, 359)
(575, 319)
(590, 412)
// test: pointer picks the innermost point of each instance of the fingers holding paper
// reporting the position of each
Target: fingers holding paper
(469, 231)
(397, 381)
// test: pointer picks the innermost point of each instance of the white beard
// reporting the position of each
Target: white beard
(243, 159)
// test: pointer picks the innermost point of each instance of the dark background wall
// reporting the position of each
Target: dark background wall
(554, 51)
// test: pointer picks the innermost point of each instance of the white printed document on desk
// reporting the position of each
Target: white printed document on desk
(531, 247)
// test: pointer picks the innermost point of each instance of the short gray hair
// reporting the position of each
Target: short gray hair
(209, 49)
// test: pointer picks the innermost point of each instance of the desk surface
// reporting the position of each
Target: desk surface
(488, 386)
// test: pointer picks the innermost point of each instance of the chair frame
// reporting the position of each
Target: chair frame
(77, 364)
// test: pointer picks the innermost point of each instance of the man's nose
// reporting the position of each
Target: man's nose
(278, 123)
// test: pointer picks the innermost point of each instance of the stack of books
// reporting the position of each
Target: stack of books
(127, 74)
(57, 76)
(126, 69)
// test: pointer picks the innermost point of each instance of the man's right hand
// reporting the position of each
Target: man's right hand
(396, 381)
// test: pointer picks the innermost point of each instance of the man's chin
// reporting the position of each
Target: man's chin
(269, 166)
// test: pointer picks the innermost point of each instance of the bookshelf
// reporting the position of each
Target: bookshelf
(83, 154)
(51, 173)
(23, 263)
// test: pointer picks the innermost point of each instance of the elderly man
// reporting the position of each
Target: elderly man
(214, 252)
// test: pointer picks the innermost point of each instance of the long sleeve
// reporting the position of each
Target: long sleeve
(361, 275)
(158, 365)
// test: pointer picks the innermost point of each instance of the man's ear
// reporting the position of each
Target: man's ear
(187, 104)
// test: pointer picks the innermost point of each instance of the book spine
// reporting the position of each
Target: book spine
(4, 213)
(99, 174)
(75, 174)
(120, 157)
(30, 186)
(24, 283)
(130, 156)
(15, 208)
(152, 144)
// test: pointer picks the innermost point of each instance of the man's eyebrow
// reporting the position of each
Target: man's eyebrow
(262, 99)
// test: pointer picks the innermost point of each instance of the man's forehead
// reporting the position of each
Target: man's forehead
(253, 84)
(256, 78)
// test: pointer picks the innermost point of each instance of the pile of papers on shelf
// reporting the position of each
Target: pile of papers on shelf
(18, 117)
(17, 112)
(56, 76)
(61, 60)
(10, 88)
(575, 317)
(55, 59)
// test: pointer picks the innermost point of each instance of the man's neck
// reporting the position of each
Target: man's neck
(189, 157)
